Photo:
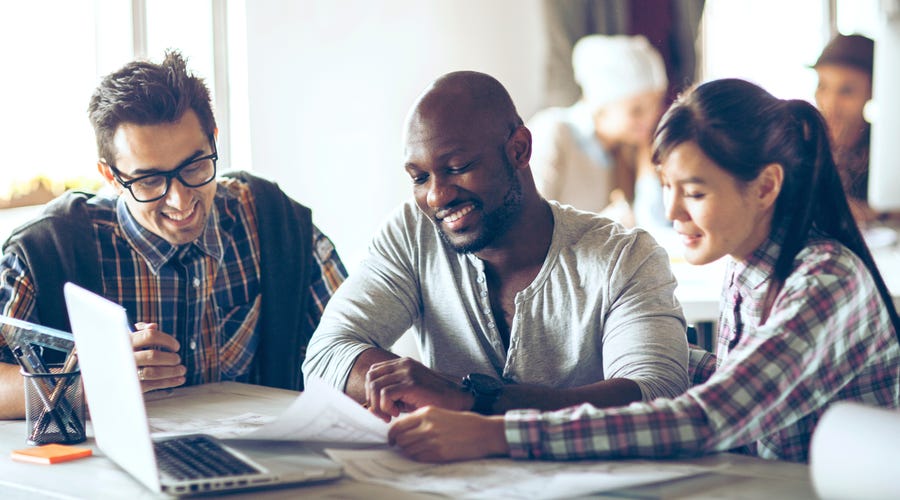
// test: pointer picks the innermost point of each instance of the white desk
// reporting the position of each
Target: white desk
(97, 477)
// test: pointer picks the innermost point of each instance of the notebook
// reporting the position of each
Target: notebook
(121, 430)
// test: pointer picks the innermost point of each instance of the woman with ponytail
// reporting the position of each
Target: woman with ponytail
(806, 318)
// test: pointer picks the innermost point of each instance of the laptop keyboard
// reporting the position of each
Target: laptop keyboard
(198, 457)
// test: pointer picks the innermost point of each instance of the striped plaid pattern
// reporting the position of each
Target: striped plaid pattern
(206, 294)
(701, 365)
(828, 338)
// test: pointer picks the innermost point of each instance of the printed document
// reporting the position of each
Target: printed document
(504, 478)
(321, 413)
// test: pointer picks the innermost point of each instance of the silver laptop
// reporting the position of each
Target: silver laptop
(121, 430)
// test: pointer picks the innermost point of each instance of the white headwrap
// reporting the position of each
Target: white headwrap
(610, 68)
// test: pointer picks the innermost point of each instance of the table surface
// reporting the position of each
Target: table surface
(736, 476)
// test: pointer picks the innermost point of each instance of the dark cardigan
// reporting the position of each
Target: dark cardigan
(58, 247)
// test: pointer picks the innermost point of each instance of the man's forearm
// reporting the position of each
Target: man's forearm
(12, 392)
(607, 393)
(356, 381)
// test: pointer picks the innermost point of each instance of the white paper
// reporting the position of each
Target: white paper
(320, 413)
(222, 428)
(505, 478)
(855, 452)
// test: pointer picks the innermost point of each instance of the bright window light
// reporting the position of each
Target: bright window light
(51, 58)
(56, 52)
(769, 42)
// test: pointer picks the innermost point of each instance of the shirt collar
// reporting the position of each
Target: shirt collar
(761, 264)
(157, 251)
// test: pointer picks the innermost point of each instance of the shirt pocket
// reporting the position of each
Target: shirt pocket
(238, 339)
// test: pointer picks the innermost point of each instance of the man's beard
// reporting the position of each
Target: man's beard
(496, 223)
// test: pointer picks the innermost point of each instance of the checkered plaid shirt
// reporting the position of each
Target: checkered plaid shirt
(828, 338)
(206, 294)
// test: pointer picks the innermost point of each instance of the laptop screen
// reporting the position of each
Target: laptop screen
(111, 384)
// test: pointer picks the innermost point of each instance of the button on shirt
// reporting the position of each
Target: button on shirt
(828, 338)
(206, 293)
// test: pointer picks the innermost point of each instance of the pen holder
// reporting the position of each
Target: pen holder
(54, 407)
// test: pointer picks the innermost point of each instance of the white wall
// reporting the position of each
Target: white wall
(330, 83)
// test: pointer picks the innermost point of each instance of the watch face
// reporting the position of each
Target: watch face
(484, 384)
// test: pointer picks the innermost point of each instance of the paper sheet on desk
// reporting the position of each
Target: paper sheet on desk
(320, 413)
(504, 478)
(222, 428)
(855, 452)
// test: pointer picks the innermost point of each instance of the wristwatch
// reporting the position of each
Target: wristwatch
(485, 389)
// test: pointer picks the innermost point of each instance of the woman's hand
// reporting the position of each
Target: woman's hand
(433, 434)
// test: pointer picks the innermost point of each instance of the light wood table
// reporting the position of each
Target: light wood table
(736, 476)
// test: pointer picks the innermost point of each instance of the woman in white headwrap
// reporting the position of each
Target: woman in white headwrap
(589, 154)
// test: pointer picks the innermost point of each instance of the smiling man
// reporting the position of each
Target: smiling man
(515, 301)
(225, 279)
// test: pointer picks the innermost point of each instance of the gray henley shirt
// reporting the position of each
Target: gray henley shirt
(601, 307)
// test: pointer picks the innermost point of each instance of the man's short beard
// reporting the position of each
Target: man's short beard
(496, 223)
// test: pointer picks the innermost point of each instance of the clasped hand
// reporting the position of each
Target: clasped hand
(157, 359)
(404, 385)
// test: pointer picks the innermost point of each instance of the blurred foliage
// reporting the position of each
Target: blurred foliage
(41, 189)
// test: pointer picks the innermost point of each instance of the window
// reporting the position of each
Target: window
(56, 51)
(773, 43)
(769, 42)
(46, 86)
(854, 16)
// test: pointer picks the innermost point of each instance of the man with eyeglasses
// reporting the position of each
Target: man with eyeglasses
(225, 279)
(515, 301)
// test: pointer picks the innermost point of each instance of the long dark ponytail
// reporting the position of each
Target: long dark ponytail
(743, 128)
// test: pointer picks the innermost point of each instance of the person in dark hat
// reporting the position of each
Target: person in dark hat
(845, 86)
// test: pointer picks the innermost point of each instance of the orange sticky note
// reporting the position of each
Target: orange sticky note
(50, 454)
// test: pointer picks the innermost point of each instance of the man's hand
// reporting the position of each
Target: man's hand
(156, 355)
(437, 435)
(404, 384)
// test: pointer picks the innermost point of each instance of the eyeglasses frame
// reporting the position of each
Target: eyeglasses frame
(171, 174)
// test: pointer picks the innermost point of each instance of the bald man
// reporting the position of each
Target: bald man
(515, 301)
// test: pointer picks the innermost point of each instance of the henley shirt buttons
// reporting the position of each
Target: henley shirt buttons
(193, 345)
(196, 282)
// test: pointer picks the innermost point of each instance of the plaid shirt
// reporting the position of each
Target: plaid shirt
(205, 294)
(828, 338)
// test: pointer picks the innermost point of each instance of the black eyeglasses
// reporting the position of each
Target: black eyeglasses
(151, 187)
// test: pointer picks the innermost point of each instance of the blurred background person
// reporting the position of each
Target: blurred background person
(844, 69)
(671, 26)
(594, 154)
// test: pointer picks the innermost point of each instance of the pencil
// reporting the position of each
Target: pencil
(69, 364)
(67, 415)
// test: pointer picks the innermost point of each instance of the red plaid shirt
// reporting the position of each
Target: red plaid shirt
(205, 294)
(828, 338)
